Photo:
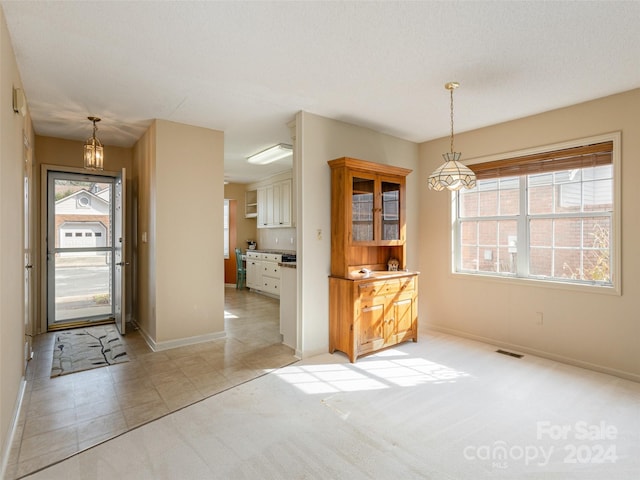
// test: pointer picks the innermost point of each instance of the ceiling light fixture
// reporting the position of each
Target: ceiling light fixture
(271, 154)
(452, 175)
(93, 150)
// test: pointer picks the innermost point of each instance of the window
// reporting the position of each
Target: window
(84, 202)
(547, 216)
(226, 229)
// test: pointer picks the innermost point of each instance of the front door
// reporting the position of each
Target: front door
(82, 225)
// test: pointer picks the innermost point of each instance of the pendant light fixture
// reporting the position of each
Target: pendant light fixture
(452, 175)
(93, 150)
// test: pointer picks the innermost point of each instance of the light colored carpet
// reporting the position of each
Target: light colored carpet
(87, 348)
(444, 408)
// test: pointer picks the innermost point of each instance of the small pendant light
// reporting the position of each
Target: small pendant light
(93, 150)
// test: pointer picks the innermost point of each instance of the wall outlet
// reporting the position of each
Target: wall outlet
(277, 240)
(319, 234)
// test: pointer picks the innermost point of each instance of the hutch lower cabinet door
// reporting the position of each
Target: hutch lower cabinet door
(368, 315)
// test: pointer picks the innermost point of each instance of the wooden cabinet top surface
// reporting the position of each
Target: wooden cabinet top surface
(379, 168)
(376, 276)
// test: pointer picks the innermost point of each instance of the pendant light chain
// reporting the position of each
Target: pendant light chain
(451, 91)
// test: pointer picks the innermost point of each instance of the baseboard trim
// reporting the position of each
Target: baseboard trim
(539, 353)
(311, 353)
(180, 342)
(8, 441)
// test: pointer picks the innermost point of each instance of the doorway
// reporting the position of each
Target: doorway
(84, 245)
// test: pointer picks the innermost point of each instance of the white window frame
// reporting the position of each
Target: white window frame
(615, 287)
(226, 228)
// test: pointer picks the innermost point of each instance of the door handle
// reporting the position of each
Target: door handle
(28, 266)
(122, 264)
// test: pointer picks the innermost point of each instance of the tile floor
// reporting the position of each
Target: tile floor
(64, 415)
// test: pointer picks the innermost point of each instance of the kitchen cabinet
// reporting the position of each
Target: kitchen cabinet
(274, 205)
(370, 314)
(271, 273)
(251, 204)
(254, 270)
(263, 272)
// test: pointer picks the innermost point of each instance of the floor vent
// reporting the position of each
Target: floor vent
(511, 354)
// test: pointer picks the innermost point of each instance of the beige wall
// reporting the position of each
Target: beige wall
(12, 331)
(596, 330)
(319, 140)
(68, 155)
(245, 227)
(180, 168)
(143, 248)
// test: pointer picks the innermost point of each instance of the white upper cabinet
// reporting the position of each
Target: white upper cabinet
(274, 205)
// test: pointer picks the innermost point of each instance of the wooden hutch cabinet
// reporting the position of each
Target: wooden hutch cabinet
(369, 311)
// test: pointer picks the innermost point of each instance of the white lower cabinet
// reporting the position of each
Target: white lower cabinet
(263, 272)
(254, 273)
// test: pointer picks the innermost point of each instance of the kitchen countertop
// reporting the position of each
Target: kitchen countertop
(278, 252)
(283, 252)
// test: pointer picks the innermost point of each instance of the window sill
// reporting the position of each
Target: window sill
(532, 282)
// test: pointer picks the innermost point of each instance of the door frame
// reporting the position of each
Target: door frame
(29, 247)
(44, 175)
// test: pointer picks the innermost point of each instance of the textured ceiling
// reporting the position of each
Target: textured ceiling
(246, 68)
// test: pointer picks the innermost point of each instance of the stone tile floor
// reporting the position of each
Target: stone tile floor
(64, 415)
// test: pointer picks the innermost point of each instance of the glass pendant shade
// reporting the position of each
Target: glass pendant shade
(452, 174)
(93, 150)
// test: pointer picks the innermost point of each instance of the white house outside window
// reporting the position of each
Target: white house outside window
(547, 217)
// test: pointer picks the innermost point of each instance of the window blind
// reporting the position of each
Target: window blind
(566, 159)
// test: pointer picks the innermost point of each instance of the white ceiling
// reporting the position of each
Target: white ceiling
(246, 68)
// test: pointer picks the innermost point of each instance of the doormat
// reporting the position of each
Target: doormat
(87, 348)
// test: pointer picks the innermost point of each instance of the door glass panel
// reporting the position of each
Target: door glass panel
(390, 211)
(80, 248)
(362, 210)
(82, 285)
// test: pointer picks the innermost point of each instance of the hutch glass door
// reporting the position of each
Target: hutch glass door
(390, 210)
(362, 201)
